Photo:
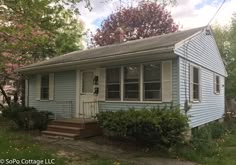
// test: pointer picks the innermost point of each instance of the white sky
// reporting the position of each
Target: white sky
(187, 13)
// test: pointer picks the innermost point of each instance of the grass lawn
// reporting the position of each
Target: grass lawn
(221, 152)
(17, 145)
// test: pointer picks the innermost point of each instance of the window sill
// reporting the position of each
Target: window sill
(196, 101)
(144, 102)
(216, 93)
(45, 100)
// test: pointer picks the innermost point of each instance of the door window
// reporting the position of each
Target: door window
(87, 84)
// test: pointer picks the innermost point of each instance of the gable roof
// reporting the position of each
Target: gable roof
(166, 41)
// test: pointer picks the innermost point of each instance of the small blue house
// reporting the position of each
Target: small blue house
(170, 69)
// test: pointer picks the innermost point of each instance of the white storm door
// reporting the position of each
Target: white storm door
(87, 97)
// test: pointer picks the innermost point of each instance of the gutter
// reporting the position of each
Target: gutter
(97, 59)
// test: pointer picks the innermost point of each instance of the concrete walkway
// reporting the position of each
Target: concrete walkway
(111, 152)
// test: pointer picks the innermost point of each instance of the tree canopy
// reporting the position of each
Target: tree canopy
(145, 20)
(226, 41)
(33, 30)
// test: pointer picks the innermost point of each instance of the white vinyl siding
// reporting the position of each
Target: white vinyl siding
(63, 103)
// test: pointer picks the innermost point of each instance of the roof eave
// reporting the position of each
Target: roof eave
(106, 58)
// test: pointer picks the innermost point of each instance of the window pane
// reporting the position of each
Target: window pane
(152, 72)
(114, 87)
(195, 75)
(113, 95)
(218, 84)
(132, 91)
(44, 93)
(195, 91)
(113, 75)
(45, 87)
(132, 73)
(113, 83)
(152, 95)
(152, 86)
(87, 82)
(45, 81)
(131, 82)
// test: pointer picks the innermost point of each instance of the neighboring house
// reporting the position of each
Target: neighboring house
(171, 69)
(10, 90)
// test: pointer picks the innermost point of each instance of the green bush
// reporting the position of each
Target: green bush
(26, 117)
(205, 139)
(164, 127)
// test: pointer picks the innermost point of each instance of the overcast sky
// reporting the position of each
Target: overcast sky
(187, 13)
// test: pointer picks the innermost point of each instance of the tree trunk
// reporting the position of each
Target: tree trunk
(5, 95)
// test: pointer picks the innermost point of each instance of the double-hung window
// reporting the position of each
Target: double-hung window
(152, 82)
(113, 84)
(45, 87)
(216, 84)
(195, 83)
(132, 82)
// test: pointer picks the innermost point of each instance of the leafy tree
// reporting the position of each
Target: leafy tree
(31, 31)
(231, 80)
(146, 20)
(226, 41)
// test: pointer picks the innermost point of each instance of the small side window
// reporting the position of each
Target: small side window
(217, 84)
(195, 83)
(45, 87)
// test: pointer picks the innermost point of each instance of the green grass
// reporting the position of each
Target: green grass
(221, 151)
(18, 145)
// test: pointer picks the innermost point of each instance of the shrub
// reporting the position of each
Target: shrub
(26, 117)
(155, 126)
(205, 139)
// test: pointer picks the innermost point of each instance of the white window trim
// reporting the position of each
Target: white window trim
(141, 97)
(192, 66)
(121, 84)
(45, 99)
(38, 90)
(123, 87)
(214, 84)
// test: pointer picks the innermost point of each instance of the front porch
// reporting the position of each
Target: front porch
(74, 128)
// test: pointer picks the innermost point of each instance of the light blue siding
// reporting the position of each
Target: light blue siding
(63, 104)
(202, 51)
(104, 106)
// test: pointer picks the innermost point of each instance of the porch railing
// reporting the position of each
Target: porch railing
(63, 109)
(89, 109)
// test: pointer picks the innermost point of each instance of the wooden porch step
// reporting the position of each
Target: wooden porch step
(60, 135)
(73, 129)
(75, 123)
(64, 129)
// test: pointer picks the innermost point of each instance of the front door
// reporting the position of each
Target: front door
(88, 101)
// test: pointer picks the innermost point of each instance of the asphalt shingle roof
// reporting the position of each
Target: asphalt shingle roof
(161, 41)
